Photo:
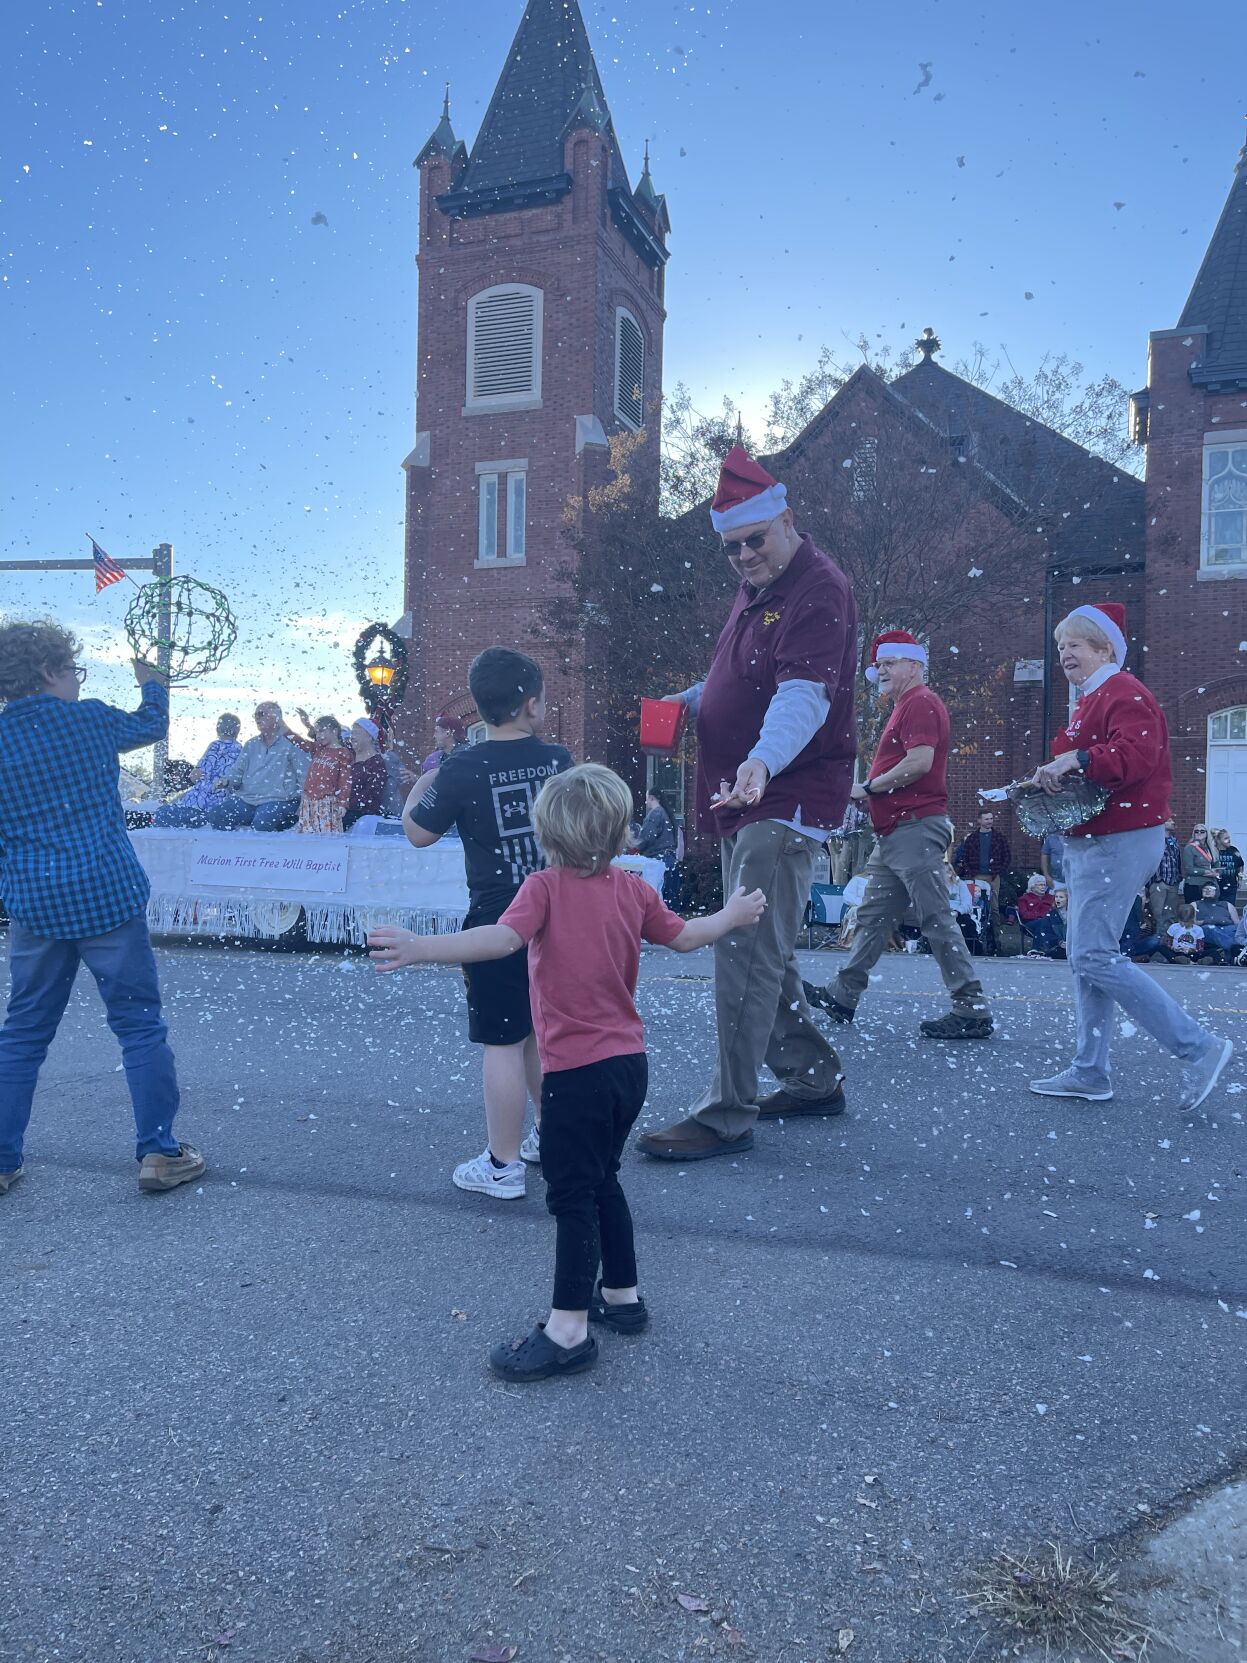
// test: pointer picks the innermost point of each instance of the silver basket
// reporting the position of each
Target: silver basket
(1041, 813)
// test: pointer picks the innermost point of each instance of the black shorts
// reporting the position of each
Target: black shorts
(497, 990)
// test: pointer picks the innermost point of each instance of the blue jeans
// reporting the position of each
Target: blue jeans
(1103, 875)
(42, 974)
(180, 814)
(230, 812)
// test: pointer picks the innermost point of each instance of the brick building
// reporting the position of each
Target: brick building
(540, 335)
(1192, 419)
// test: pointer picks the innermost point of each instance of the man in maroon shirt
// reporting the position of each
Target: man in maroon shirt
(776, 738)
(906, 794)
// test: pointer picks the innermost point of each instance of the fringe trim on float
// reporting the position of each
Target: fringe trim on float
(323, 922)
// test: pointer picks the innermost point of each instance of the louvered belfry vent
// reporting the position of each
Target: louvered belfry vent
(504, 345)
(629, 371)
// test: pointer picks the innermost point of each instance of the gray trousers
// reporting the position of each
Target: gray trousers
(1103, 875)
(907, 870)
(759, 1005)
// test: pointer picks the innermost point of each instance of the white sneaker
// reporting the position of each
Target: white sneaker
(1199, 1079)
(530, 1149)
(506, 1183)
(1069, 1085)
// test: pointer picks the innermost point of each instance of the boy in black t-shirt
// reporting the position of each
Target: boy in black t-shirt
(487, 792)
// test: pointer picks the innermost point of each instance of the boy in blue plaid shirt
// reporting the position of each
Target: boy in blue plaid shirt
(75, 891)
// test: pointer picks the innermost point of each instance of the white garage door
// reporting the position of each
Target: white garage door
(1227, 773)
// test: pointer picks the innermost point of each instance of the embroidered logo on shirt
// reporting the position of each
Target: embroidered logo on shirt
(770, 618)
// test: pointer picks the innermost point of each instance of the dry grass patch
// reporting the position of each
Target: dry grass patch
(1070, 1607)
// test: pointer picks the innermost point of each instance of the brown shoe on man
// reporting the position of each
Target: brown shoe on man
(8, 1179)
(689, 1140)
(166, 1172)
(782, 1105)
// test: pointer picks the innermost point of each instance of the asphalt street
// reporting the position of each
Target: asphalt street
(251, 1421)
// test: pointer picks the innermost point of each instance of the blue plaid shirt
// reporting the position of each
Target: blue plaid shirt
(67, 867)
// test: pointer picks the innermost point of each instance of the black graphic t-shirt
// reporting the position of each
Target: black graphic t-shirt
(487, 791)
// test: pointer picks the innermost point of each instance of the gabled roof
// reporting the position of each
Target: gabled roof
(1091, 512)
(548, 84)
(1219, 297)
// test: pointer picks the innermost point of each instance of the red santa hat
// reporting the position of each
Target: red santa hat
(747, 495)
(1109, 617)
(894, 643)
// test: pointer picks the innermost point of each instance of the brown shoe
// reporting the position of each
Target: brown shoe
(8, 1179)
(782, 1105)
(166, 1172)
(689, 1140)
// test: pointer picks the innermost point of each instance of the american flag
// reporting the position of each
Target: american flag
(106, 571)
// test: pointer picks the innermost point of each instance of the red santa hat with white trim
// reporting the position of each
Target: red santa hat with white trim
(747, 494)
(894, 643)
(1109, 617)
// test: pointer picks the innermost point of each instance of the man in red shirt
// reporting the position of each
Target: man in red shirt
(906, 795)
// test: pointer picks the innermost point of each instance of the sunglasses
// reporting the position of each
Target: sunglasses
(80, 674)
(755, 542)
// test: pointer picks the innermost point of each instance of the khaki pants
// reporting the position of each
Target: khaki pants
(759, 1005)
(1164, 900)
(907, 869)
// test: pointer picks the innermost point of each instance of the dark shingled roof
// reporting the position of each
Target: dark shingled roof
(1219, 298)
(1092, 511)
(549, 78)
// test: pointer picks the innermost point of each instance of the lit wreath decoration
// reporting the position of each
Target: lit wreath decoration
(381, 701)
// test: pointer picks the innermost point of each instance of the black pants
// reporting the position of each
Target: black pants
(586, 1115)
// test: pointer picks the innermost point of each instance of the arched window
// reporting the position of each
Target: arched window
(629, 369)
(1225, 508)
(504, 347)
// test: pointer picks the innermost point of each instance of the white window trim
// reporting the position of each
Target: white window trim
(530, 398)
(622, 312)
(1210, 572)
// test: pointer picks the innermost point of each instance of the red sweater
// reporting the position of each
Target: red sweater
(1123, 731)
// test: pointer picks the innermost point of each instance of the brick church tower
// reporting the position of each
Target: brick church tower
(540, 335)
(1192, 418)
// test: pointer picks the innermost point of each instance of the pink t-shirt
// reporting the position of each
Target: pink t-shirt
(584, 950)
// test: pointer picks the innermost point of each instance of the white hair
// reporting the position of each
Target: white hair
(1085, 630)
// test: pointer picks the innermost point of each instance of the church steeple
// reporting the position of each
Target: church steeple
(549, 85)
(1218, 301)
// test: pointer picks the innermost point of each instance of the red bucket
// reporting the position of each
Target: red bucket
(662, 725)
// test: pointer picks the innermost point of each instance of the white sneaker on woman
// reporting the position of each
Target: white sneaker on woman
(530, 1149)
(1069, 1085)
(1199, 1078)
(506, 1183)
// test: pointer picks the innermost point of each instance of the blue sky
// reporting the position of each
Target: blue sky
(209, 224)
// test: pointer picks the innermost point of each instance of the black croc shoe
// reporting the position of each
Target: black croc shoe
(957, 1025)
(820, 999)
(624, 1319)
(536, 1357)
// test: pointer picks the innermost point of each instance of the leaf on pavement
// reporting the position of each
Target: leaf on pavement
(693, 1602)
(845, 1639)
